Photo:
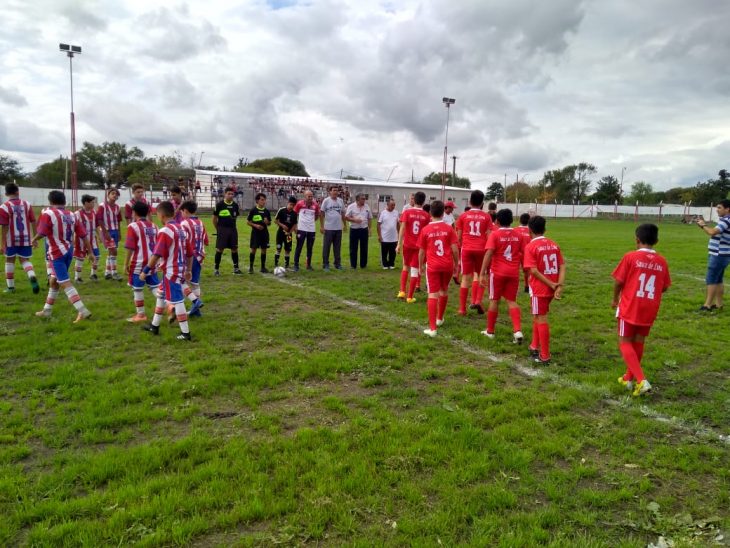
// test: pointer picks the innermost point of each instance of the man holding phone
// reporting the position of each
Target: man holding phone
(719, 259)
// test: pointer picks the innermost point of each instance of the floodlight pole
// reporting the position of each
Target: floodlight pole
(447, 101)
(70, 51)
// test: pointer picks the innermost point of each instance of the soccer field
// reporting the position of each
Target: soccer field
(313, 409)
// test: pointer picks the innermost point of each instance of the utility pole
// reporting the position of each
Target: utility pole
(447, 101)
(70, 51)
(341, 173)
(453, 174)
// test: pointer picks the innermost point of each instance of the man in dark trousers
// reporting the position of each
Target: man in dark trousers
(224, 221)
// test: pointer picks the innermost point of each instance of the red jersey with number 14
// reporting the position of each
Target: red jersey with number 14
(645, 276)
(475, 226)
(507, 245)
(437, 238)
(414, 220)
(545, 256)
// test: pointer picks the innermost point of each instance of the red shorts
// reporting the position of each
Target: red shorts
(539, 306)
(471, 261)
(503, 286)
(626, 329)
(438, 281)
(410, 256)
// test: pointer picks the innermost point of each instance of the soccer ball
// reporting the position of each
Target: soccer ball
(280, 271)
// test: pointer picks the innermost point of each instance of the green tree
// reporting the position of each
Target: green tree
(569, 183)
(434, 178)
(53, 174)
(9, 170)
(641, 192)
(521, 191)
(711, 191)
(679, 195)
(275, 166)
(495, 192)
(109, 161)
(608, 191)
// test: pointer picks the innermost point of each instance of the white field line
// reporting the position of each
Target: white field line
(677, 423)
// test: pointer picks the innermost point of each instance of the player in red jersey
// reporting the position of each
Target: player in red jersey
(503, 257)
(87, 216)
(176, 198)
(109, 219)
(196, 233)
(58, 227)
(473, 228)
(18, 227)
(524, 231)
(176, 253)
(412, 221)
(641, 278)
(139, 243)
(137, 196)
(544, 261)
(438, 247)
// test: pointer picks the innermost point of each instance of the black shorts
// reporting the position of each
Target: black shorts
(283, 240)
(259, 239)
(227, 238)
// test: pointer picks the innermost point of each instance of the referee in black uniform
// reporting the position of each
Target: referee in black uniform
(224, 220)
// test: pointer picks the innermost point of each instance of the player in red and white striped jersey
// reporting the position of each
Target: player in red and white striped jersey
(175, 254)
(139, 243)
(59, 227)
(196, 233)
(87, 216)
(109, 218)
(473, 228)
(18, 225)
(137, 196)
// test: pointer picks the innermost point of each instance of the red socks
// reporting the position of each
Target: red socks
(412, 287)
(442, 306)
(632, 360)
(403, 280)
(491, 320)
(535, 344)
(544, 330)
(476, 291)
(463, 296)
(639, 349)
(433, 305)
(514, 314)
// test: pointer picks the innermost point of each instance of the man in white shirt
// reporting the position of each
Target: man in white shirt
(331, 223)
(359, 216)
(388, 227)
(307, 211)
(449, 218)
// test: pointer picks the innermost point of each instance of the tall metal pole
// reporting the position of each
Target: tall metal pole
(74, 171)
(453, 174)
(446, 148)
(621, 187)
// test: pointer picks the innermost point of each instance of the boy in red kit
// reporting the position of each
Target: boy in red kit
(438, 245)
(87, 216)
(641, 277)
(196, 233)
(473, 228)
(503, 257)
(139, 243)
(17, 228)
(412, 221)
(544, 262)
(109, 219)
(524, 231)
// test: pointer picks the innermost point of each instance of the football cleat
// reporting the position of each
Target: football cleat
(517, 337)
(411, 300)
(216, 272)
(401, 295)
(540, 361)
(487, 334)
(642, 388)
(93, 277)
(237, 271)
(137, 318)
(429, 332)
(85, 314)
(9, 290)
(154, 329)
(116, 277)
(45, 313)
(534, 352)
(480, 308)
(184, 337)
(440, 322)
(629, 385)
(107, 276)
(34, 285)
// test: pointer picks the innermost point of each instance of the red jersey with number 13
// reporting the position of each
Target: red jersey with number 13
(544, 255)
(475, 226)
(414, 220)
(437, 238)
(644, 275)
(507, 246)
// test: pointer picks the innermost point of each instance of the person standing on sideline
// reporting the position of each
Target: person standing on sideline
(449, 218)
(719, 249)
(359, 216)
(388, 227)
(411, 203)
(224, 221)
(307, 211)
(331, 224)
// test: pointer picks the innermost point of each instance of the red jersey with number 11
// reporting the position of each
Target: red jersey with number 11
(414, 220)
(437, 239)
(475, 226)
(507, 246)
(545, 256)
(644, 275)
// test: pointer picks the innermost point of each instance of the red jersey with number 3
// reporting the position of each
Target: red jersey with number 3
(507, 245)
(544, 255)
(645, 276)
(414, 220)
(475, 226)
(437, 238)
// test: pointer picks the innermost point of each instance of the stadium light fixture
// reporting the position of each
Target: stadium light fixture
(447, 101)
(70, 52)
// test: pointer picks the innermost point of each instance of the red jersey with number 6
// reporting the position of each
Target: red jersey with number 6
(437, 238)
(544, 255)
(507, 245)
(414, 220)
(645, 276)
(475, 226)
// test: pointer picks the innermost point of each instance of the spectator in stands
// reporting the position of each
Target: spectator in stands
(719, 249)
(359, 216)
(331, 223)
(388, 227)
(307, 211)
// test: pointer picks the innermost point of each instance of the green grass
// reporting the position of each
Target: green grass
(297, 417)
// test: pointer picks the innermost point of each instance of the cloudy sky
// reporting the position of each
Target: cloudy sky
(357, 84)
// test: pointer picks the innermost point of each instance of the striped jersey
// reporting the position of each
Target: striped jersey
(173, 247)
(88, 219)
(59, 227)
(18, 216)
(720, 243)
(196, 233)
(109, 216)
(141, 240)
(128, 208)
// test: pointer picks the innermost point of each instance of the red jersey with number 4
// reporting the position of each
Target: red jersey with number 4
(475, 226)
(544, 255)
(18, 216)
(437, 238)
(507, 245)
(645, 276)
(414, 220)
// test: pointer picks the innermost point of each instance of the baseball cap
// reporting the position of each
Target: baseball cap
(450, 204)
